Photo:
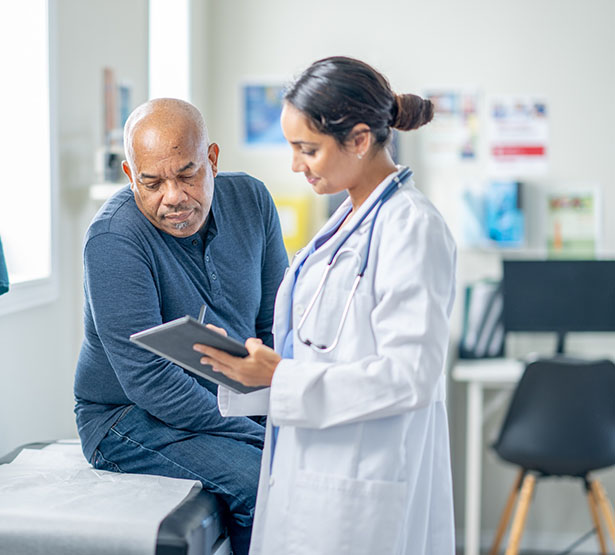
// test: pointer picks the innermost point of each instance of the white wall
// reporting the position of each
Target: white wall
(562, 49)
(39, 347)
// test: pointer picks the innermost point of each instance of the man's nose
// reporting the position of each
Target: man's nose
(174, 194)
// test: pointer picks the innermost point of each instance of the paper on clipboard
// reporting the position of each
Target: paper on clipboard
(174, 340)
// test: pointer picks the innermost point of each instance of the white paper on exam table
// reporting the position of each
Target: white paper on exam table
(52, 501)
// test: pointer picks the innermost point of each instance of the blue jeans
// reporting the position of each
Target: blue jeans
(227, 464)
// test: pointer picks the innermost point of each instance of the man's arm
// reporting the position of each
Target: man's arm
(122, 291)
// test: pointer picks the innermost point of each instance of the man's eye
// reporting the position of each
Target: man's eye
(308, 152)
(151, 186)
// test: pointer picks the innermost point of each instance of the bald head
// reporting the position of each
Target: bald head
(163, 119)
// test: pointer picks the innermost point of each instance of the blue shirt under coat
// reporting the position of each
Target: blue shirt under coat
(137, 276)
(288, 348)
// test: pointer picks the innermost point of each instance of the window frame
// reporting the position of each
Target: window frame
(175, 76)
(28, 294)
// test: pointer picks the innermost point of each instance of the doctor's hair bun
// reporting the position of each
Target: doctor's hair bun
(410, 112)
(338, 92)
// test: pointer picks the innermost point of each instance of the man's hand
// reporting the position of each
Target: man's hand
(254, 370)
(221, 331)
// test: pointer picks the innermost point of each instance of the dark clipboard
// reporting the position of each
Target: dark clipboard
(174, 340)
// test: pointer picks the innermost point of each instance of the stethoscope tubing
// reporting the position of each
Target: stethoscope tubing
(395, 184)
(390, 189)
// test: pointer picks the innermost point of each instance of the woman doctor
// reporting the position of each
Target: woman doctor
(356, 456)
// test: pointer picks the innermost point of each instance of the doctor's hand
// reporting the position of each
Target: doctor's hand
(254, 370)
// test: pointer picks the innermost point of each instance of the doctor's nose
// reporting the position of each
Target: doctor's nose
(297, 164)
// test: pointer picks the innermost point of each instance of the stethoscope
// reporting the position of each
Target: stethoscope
(395, 184)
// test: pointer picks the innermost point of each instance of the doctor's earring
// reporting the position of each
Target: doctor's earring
(359, 156)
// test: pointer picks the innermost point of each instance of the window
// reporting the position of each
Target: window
(169, 49)
(27, 184)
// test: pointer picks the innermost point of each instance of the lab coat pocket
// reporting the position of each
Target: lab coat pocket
(336, 515)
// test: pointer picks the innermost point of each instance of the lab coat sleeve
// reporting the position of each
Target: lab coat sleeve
(414, 291)
(230, 403)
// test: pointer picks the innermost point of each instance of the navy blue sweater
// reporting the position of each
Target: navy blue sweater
(137, 276)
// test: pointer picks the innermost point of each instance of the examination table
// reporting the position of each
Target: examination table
(194, 525)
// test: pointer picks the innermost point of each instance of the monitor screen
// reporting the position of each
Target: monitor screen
(559, 295)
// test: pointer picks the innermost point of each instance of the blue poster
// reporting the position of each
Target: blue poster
(262, 109)
(503, 214)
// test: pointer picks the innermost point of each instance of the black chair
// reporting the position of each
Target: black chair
(561, 422)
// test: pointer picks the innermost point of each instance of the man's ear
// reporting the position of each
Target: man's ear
(213, 150)
(126, 170)
(360, 139)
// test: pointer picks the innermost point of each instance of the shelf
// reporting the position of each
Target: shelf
(102, 191)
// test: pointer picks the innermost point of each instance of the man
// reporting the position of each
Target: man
(174, 240)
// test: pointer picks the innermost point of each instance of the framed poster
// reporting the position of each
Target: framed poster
(504, 218)
(573, 229)
(518, 136)
(452, 136)
(294, 213)
(262, 107)
(492, 214)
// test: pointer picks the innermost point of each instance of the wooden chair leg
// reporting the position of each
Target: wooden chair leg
(605, 507)
(518, 524)
(505, 518)
(593, 509)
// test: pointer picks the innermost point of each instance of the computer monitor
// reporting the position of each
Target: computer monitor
(559, 296)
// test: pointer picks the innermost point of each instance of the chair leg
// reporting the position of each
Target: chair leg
(605, 507)
(521, 514)
(506, 513)
(593, 509)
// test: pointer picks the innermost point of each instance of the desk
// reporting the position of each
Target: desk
(479, 374)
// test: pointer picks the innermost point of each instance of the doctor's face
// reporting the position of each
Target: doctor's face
(328, 167)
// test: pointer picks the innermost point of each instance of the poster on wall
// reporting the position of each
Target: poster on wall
(452, 137)
(573, 229)
(504, 217)
(295, 220)
(262, 107)
(492, 215)
(518, 135)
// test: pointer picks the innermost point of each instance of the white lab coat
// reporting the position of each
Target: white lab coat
(362, 463)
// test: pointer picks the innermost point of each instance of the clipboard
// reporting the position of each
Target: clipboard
(173, 340)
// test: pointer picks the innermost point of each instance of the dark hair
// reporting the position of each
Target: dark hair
(338, 92)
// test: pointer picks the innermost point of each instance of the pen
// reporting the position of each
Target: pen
(202, 314)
